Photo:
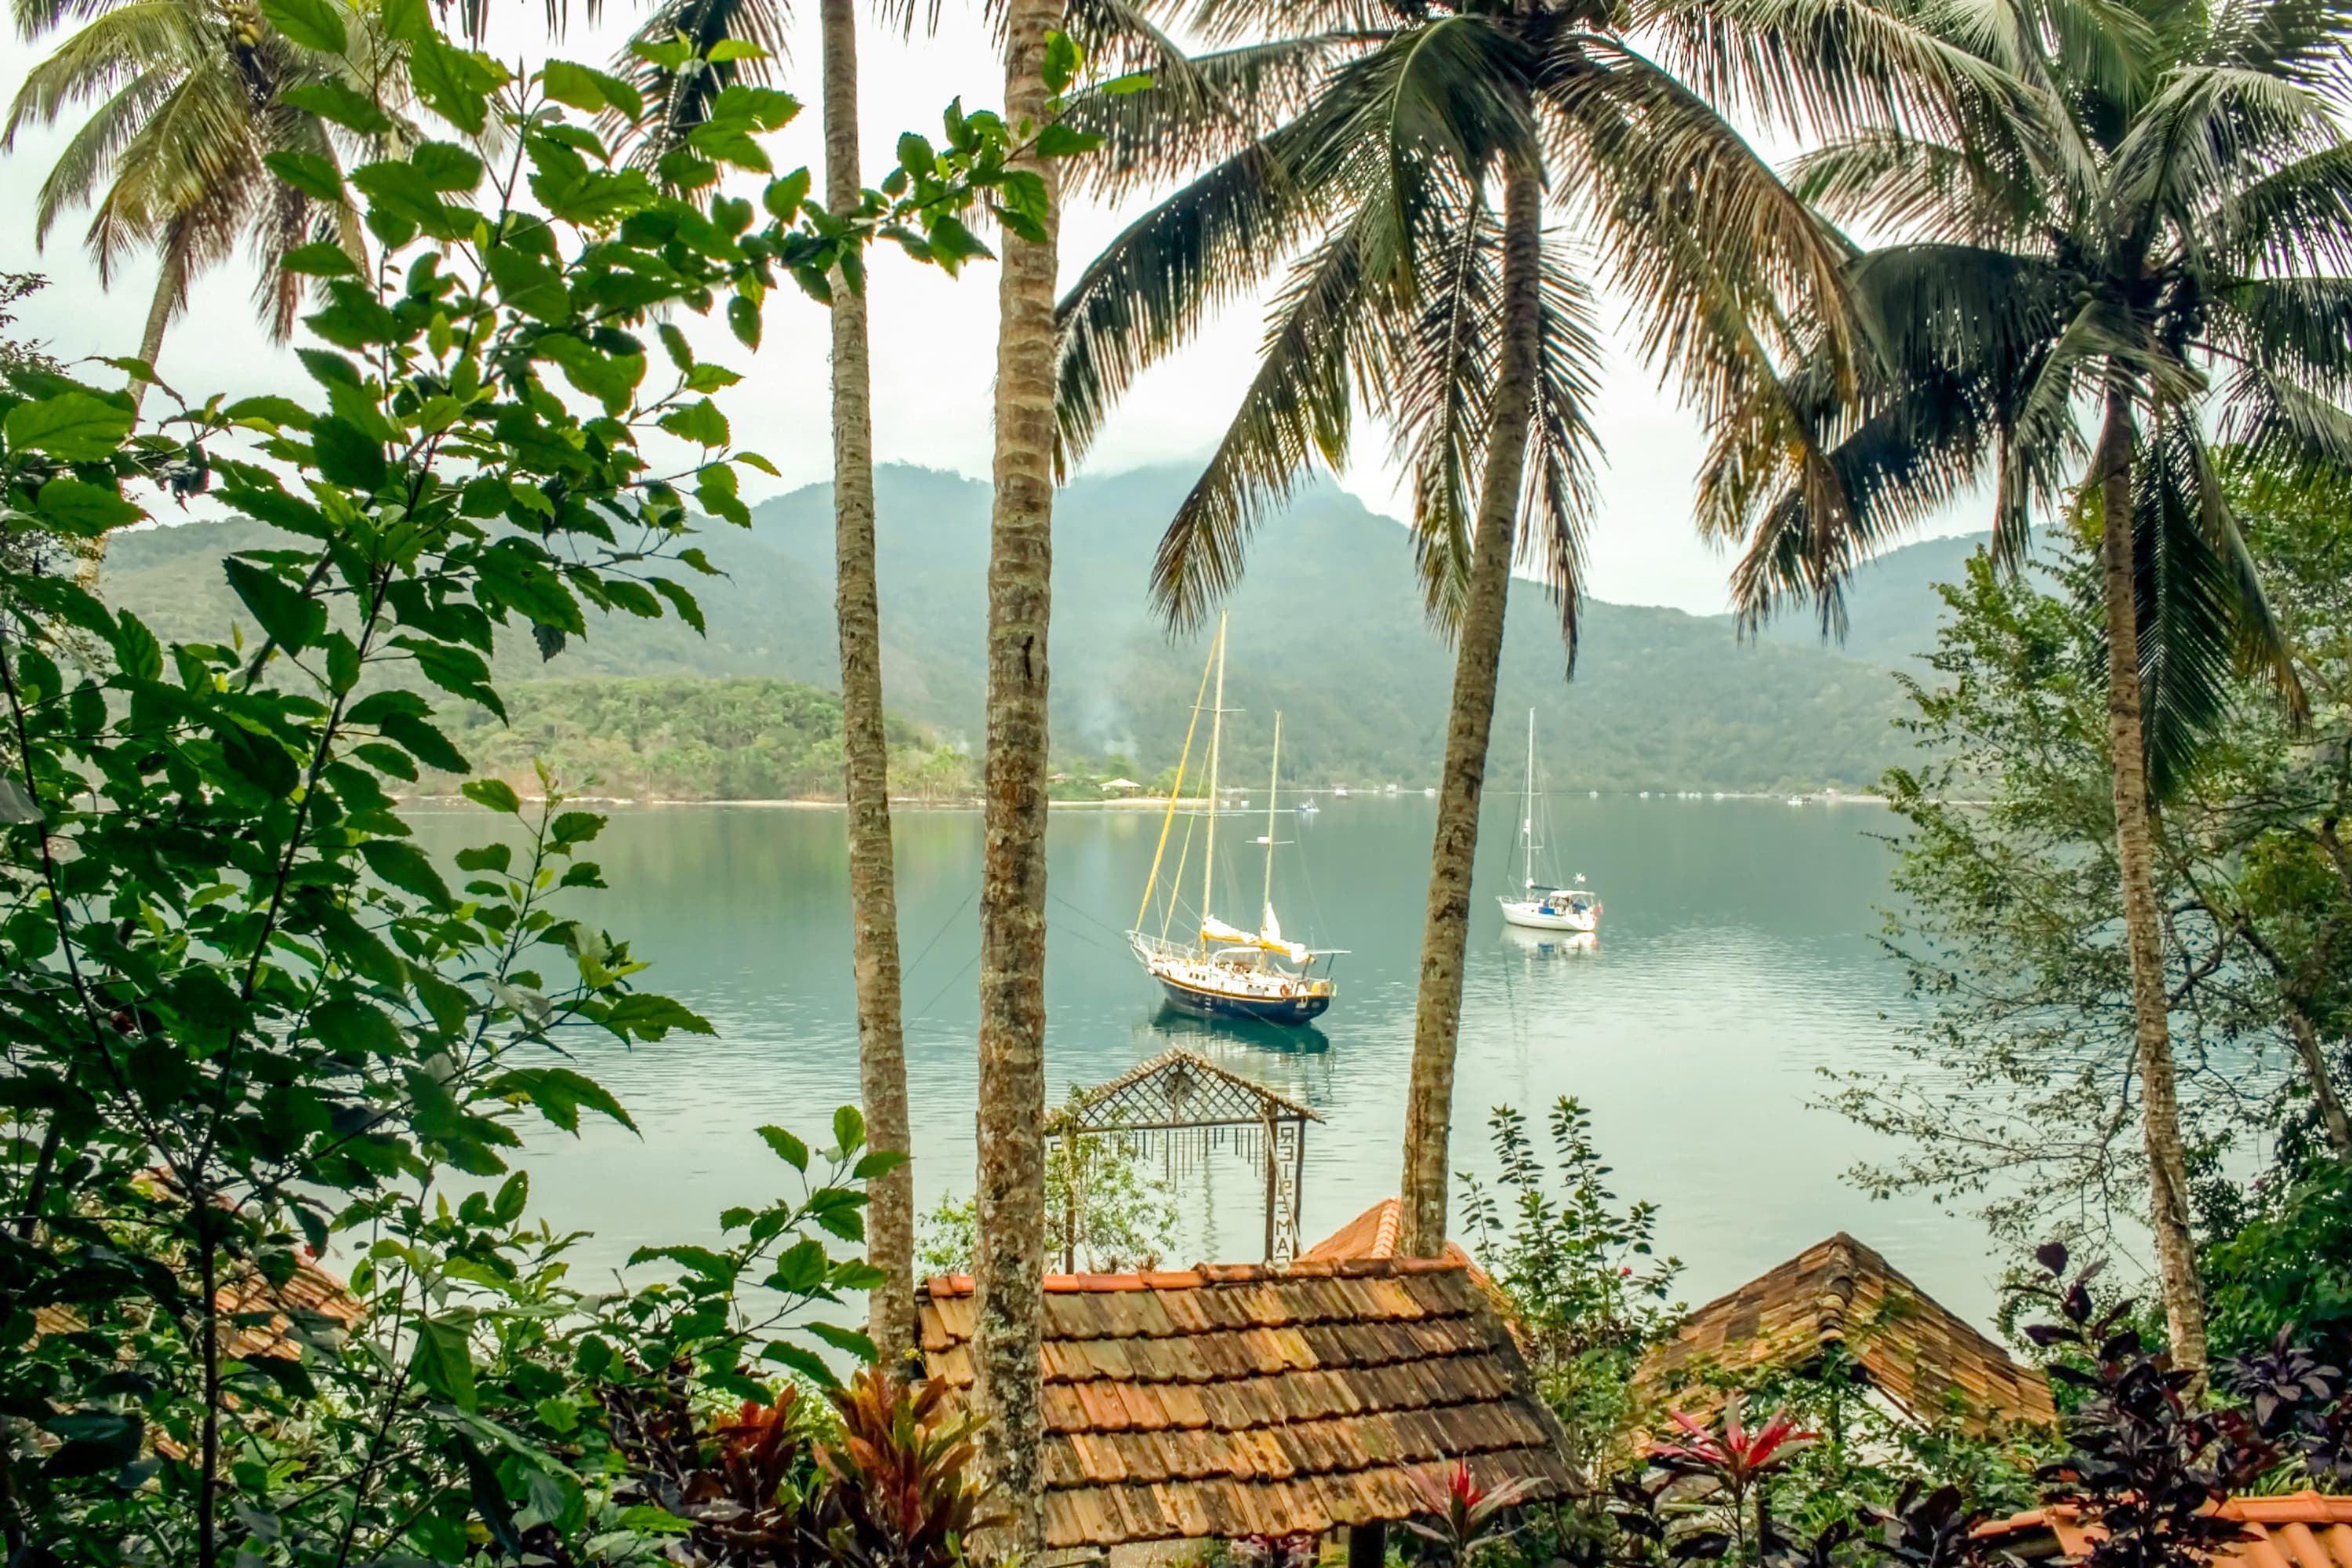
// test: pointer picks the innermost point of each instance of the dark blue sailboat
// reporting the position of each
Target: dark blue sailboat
(1261, 976)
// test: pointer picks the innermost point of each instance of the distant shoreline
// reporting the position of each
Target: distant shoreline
(1145, 803)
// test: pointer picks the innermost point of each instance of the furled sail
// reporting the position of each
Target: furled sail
(1270, 937)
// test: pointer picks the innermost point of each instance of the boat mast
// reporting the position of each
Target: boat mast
(1216, 743)
(1271, 784)
(1528, 811)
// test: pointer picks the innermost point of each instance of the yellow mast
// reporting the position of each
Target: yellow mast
(1216, 742)
(1174, 795)
(1271, 785)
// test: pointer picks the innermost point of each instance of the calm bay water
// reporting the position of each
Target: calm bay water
(1735, 960)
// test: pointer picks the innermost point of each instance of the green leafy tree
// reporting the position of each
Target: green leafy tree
(2028, 1045)
(199, 105)
(1364, 150)
(2167, 249)
(244, 1015)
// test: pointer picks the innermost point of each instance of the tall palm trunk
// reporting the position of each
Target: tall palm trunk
(1445, 925)
(866, 751)
(1011, 1257)
(2168, 1165)
(171, 293)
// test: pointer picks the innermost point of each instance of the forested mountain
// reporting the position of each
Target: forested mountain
(1328, 628)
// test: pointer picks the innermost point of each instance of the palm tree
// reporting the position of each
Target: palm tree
(682, 100)
(2171, 254)
(865, 749)
(191, 101)
(1010, 1262)
(1365, 142)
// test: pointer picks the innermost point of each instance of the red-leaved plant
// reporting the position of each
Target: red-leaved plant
(1739, 1461)
(1464, 1512)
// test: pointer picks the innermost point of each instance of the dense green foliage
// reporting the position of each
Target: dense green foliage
(683, 738)
(2010, 923)
(247, 1020)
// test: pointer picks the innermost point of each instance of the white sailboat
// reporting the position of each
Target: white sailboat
(1545, 905)
(1228, 972)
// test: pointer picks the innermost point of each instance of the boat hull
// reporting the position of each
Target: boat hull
(1531, 917)
(1261, 1009)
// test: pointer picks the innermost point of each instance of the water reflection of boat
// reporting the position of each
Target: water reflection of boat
(1553, 944)
(1230, 972)
(1288, 1039)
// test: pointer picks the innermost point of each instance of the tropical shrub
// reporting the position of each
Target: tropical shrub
(1582, 1276)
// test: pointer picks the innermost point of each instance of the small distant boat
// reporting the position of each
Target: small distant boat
(1307, 808)
(1795, 800)
(1391, 790)
(1339, 792)
(1230, 972)
(1545, 905)
(1431, 793)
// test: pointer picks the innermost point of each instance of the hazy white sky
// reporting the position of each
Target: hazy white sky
(933, 337)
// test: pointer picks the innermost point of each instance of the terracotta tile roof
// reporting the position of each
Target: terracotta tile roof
(1918, 1355)
(311, 1291)
(1229, 1400)
(1374, 1233)
(2303, 1530)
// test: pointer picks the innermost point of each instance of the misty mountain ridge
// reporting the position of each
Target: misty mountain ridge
(1327, 626)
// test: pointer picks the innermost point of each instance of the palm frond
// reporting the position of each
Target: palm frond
(1916, 447)
(2201, 613)
(2297, 328)
(2299, 41)
(1443, 364)
(2295, 218)
(1825, 67)
(1297, 406)
(192, 163)
(1152, 287)
(1727, 271)
(1910, 185)
(125, 44)
(680, 100)
(2274, 421)
(2210, 130)
(1562, 445)
(92, 154)
(1198, 110)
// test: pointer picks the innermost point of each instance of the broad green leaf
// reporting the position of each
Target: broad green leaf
(337, 100)
(1065, 142)
(83, 509)
(313, 24)
(409, 21)
(1064, 60)
(292, 618)
(848, 1128)
(699, 421)
(322, 258)
(801, 1360)
(848, 1340)
(78, 427)
(347, 456)
(405, 867)
(309, 174)
(495, 794)
(789, 1149)
(444, 1363)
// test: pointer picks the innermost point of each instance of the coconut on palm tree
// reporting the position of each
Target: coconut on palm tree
(189, 98)
(1365, 146)
(2081, 311)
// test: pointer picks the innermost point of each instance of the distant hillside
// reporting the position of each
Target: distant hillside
(1326, 627)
